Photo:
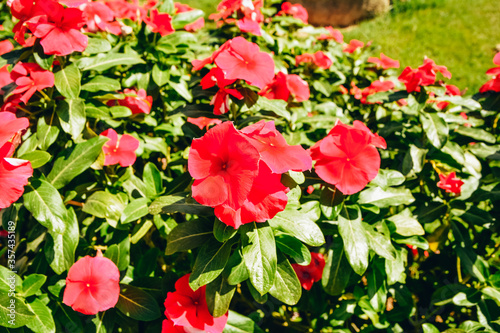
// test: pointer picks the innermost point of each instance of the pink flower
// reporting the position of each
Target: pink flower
(30, 77)
(297, 11)
(450, 183)
(319, 58)
(353, 45)
(100, 17)
(92, 285)
(160, 22)
(136, 101)
(243, 60)
(285, 85)
(119, 149)
(334, 34)
(385, 62)
(189, 309)
(6, 46)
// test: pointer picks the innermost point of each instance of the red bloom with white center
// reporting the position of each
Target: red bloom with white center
(136, 101)
(296, 10)
(450, 183)
(92, 285)
(203, 122)
(311, 273)
(244, 60)
(59, 30)
(274, 150)
(384, 61)
(189, 309)
(334, 34)
(119, 149)
(160, 22)
(224, 165)
(347, 157)
(353, 45)
(285, 85)
(30, 77)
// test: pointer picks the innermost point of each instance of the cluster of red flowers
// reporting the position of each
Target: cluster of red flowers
(295, 10)
(285, 85)
(92, 285)
(187, 310)
(450, 183)
(347, 157)
(319, 59)
(239, 172)
(494, 83)
(424, 75)
(14, 173)
(375, 87)
(248, 14)
(311, 273)
(235, 59)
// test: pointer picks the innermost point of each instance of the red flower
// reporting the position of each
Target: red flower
(199, 64)
(353, 45)
(249, 26)
(136, 101)
(160, 22)
(375, 87)
(243, 60)
(100, 17)
(334, 34)
(203, 122)
(385, 62)
(319, 58)
(59, 30)
(6, 46)
(297, 11)
(494, 83)
(451, 90)
(285, 85)
(168, 326)
(14, 173)
(347, 157)
(496, 59)
(119, 149)
(126, 10)
(450, 183)
(274, 150)
(29, 78)
(92, 285)
(196, 25)
(224, 165)
(189, 309)
(424, 75)
(311, 273)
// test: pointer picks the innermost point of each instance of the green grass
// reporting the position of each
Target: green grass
(460, 34)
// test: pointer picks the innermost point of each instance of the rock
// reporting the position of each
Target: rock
(342, 12)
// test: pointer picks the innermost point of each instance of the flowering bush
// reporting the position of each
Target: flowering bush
(262, 174)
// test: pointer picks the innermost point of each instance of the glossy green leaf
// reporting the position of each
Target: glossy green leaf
(103, 62)
(406, 224)
(153, 180)
(102, 83)
(435, 129)
(286, 287)
(105, 205)
(68, 81)
(46, 131)
(337, 270)
(135, 210)
(386, 198)
(119, 253)
(380, 243)
(22, 313)
(236, 270)
(137, 304)
(37, 158)
(71, 113)
(182, 19)
(97, 45)
(219, 294)
(178, 203)
(160, 76)
(294, 248)
(42, 321)
(222, 231)
(237, 323)
(354, 237)
(32, 283)
(188, 235)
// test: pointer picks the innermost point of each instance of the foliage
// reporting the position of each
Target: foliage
(401, 255)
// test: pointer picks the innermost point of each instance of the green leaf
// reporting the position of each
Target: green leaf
(106, 61)
(152, 179)
(471, 262)
(222, 231)
(45, 203)
(277, 106)
(380, 243)
(331, 201)
(294, 248)
(237, 323)
(97, 45)
(219, 294)
(406, 224)
(337, 270)
(387, 178)
(46, 132)
(105, 205)
(182, 89)
(60, 248)
(37, 158)
(143, 230)
(259, 254)
(75, 161)
(44, 60)
(429, 328)
(188, 235)
(42, 322)
(476, 134)
(396, 269)
(414, 159)
(32, 283)
(354, 238)
(299, 224)
(21, 315)
(235, 270)
(377, 289)
(7, 277)
(137, 304)
(386, 198)
(102, 83)
(135, 210)
(119, 253)
(181, 19)
(286, 287)
(160, 76)
(71, 113)
(210, 263)
(68, 81)
(178, 203)
(435, 128)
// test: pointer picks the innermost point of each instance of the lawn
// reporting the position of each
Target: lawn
(459, 34)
